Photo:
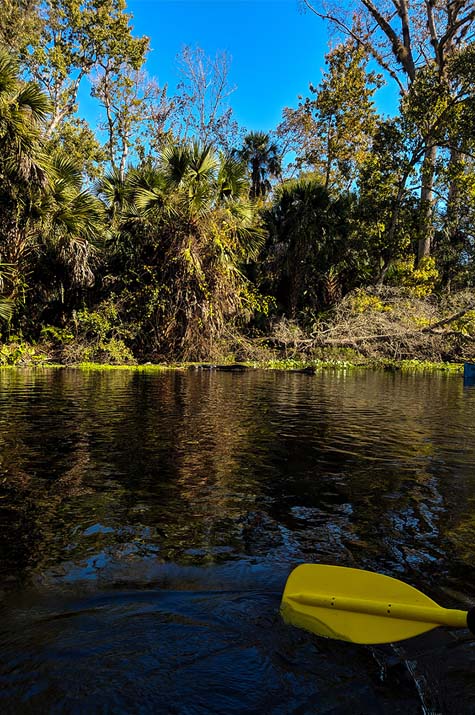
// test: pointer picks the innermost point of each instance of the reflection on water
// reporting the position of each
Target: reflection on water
(148, 524)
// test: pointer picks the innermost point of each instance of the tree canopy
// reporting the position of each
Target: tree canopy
(167, 230)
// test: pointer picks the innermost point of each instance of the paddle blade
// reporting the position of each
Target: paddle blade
(331, 582)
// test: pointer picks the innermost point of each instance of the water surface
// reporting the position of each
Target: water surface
(148, 523)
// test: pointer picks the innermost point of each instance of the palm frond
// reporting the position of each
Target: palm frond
(79, 216)
(147, 199)
(174, 161)
(6, 309)
(6, 273)
(8, 74)
(203, 163)
(32, 101)
(65, 169)
(232, 178)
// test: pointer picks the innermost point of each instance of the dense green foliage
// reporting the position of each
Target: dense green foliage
(169, 234)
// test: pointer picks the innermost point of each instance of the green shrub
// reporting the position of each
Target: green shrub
(58, 336)
(19, 353)
(100, 336)
(466, 323)
(111, 351)
(361, 302)
(421, 280)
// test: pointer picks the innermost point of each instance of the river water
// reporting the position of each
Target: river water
(148, 523)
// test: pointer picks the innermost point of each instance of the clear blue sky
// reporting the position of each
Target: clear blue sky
(276, 50)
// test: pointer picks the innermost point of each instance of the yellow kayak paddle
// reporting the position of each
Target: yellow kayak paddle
(362, 606)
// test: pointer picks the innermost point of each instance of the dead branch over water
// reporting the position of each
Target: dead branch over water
(391, 323)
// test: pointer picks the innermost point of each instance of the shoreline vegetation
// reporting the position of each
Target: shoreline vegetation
(169, 235)
(292, 366)
(390, 329)
(297, 366)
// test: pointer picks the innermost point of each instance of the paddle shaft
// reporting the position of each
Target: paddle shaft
(424, 614)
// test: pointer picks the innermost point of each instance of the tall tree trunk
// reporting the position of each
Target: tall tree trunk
(453, 197)
(426, 229)
(453, 236)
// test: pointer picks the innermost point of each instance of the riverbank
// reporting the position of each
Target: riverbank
(390, 328)
(284, 365)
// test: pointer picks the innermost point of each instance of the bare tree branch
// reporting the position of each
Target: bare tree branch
(361, 40)
(402, 50)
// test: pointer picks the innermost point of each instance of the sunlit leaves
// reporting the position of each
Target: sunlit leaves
(331, 131)
(193, 227)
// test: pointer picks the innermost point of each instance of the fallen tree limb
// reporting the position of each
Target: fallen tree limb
(363, 339)
(401, 335)
(345, 342)
(448, 320)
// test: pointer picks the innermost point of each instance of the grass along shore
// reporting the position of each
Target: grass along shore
(390, 328)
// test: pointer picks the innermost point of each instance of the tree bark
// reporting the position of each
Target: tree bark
(426, 204)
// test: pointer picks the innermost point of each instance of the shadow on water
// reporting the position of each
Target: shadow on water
(148, 525)
(188, 640)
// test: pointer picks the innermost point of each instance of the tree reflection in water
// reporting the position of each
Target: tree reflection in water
(134, 479)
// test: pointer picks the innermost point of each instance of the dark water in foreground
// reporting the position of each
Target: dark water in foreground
(148, 524)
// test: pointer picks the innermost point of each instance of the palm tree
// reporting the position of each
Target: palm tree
(72, 220)
(309, 255)
(67, 234)
(197, 228)
(6, 307)
(262, 158)
(23, 108)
